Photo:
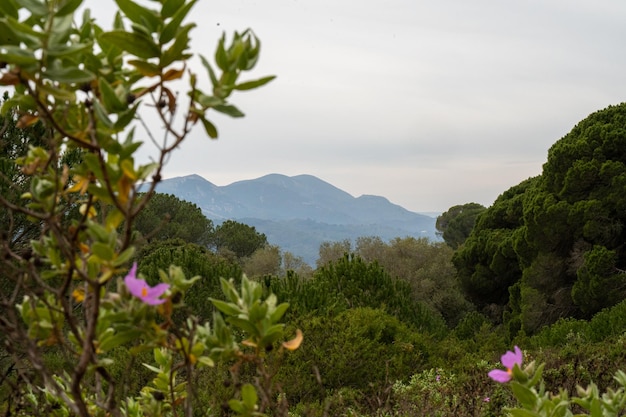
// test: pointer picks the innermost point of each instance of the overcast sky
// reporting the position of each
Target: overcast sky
(427, 103)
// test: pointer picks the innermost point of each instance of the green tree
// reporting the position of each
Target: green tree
(552, 246)
(456, 224)
(332, 251)
(295, 264)
(264, 261)
(167, 217)
(239, 238)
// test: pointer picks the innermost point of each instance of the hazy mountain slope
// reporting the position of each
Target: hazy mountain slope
(299, 213)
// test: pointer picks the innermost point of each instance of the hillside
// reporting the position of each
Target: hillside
(299, 213)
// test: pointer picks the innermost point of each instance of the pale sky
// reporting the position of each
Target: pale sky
(427, 103)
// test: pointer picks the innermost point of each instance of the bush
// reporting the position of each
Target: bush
(362, 349)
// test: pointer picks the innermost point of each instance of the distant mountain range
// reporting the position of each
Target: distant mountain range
(299, 213)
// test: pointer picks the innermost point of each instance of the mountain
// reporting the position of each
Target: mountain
(299, 213)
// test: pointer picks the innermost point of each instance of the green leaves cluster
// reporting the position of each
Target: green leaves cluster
(82, 90)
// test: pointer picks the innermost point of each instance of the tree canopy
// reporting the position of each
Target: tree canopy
(167, 217)
(239, 238)
(456, 224)
(553, 246)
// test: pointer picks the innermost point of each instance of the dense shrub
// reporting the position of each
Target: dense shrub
(363, 349)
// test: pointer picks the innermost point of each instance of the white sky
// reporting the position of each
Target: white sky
(427, 103)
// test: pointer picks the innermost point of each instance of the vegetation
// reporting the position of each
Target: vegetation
(120, 301)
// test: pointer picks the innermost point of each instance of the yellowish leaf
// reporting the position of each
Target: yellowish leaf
(78, 294)
(173, 74)
(294, 343)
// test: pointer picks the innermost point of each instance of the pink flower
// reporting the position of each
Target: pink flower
(486, 399)
(140, 289)
(509, 360)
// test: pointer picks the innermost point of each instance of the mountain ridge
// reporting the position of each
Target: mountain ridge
(300, 212)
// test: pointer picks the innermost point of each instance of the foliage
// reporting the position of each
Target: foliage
(427, 267)
(351, 282)
(535, 400)
(332, 251)
(240, 239)
(193, 260)
(82, 91)
(456, 224)
(263, 261)
(361, 349)
(552, 246)
(167, 217)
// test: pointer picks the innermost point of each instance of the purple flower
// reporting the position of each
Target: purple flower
(140, 289)
(486, 399)
(509, 360)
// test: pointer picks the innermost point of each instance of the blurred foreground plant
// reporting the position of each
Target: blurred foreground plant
(88, 90)
(529, 389)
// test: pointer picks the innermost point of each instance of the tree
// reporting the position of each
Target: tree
(552, 246)
(264, 261)
(456, 224)
(239, 238)
(167, 217)
(295, 264)
(332, 251)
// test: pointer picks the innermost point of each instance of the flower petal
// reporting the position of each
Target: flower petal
(157, 290)
(500, 376)
(510, 359)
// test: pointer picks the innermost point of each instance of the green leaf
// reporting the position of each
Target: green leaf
(68, 75)
(36, 7)
(147, 69)
(524, 395)
(133, 43)
(125, 256)
(111, 102)
(226, 308)
(7, 8)
(69, 7)
(139, 14)
(23, 32)
(58, 93)
(272, 334)
(221, 58)
(278, 313)
(174, 25)
(102, 251)
(18, 56)
(68, 50)
(230, 110)
(209, 127)
(257, 312)
(125, 117)
(244, 325)
(176, 51)
(207, 101)
(102, 115)
(236, 406)
(249, 396)
(249, 85)
(209, 70)
(170, 7)
(61, 30)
